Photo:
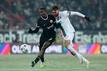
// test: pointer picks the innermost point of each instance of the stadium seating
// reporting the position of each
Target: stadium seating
(15, 14)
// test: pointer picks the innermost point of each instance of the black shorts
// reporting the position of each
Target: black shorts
(47, 37)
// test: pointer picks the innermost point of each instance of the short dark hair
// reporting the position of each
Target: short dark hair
(40, 10)
(43, 9)
(55, 8)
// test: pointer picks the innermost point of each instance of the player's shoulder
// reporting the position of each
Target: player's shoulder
(64, 12)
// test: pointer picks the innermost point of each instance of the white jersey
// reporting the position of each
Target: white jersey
(63, 18)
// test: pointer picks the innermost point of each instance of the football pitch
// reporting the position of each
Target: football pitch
(54, 62)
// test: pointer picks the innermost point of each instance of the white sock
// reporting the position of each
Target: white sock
(73, 50)
(84, 59)
(79, 56)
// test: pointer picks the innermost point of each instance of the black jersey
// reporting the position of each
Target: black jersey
(48, 26)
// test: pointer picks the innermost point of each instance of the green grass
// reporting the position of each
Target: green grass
(54, 62)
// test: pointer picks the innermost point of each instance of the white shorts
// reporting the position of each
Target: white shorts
(69, 37)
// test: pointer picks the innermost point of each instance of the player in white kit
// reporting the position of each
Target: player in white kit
(63, 18)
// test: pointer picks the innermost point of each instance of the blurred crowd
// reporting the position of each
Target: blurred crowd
(19, 14)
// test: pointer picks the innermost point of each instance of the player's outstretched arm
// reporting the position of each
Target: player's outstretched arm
(80, 14)
(33, 30)
(76, 13)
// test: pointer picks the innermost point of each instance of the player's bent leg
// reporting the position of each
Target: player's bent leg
(35, 61)
(42, 41)
(72, 51)
(67, 43)
(41, 53)
(42, 58)
(39, 57)
(46, 45)
(80, 57)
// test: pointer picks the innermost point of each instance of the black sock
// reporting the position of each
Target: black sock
(37, 59)
(42, 59)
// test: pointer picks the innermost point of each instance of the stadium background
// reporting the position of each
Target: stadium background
(90, 38)
(17, 15)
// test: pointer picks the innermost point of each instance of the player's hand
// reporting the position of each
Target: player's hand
(33, 30)
(30, 30)
(87, 18)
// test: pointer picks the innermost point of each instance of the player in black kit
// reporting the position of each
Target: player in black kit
(47, 24)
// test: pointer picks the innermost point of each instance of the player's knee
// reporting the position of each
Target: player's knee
(67, 43)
